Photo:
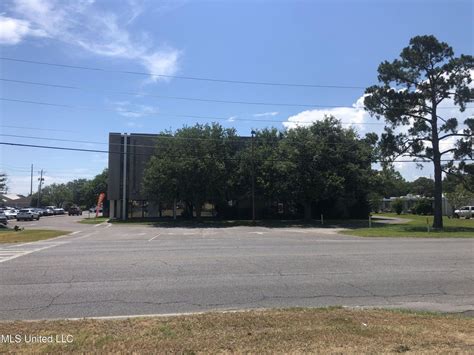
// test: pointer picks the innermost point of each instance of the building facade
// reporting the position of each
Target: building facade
(128, 157)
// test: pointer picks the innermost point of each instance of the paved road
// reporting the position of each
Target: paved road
(110, 270)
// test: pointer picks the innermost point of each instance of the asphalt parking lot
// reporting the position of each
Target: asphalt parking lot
(117, 270)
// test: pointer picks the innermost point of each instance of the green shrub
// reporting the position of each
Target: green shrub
(423, 207)
(397, 206)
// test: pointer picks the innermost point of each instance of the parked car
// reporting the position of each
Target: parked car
(40, 211)
(59, 211)
(48, 211)
(3, 218)
(27, 214)
(10, 213)
(50, 208)
(92, 209)
(74, 211)
(465, 211)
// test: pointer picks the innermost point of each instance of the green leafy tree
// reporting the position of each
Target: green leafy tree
(328, 167)
(411, 91)
(262, 157)
(389, 183)
(462, 174)
(191, 166)
(460, 196)
(56, 194)
(78, 190)
(422, 186)
(93, 188)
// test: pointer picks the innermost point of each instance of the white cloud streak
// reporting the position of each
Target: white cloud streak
(130, 110)
(82, 24)
(266, 114)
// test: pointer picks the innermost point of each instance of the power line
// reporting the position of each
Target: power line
(38, 128)
(42, 103)
(244, 82)
(71, 87)
(158, 137)
(182, 157)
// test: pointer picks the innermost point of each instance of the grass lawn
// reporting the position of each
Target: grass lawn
(453, 228)
(30, 235)
(328, 330)
(93, 220)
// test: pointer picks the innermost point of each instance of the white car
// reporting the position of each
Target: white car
(27, 214)
(59, 211)
(11, 213)
(465, 211)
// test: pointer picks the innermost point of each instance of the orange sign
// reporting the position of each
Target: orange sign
(99, 203)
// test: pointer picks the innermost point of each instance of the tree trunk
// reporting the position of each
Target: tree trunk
(307, 211)
(438, 195)
(198, 209)
(438, 188)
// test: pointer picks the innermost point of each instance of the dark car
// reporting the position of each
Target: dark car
(3, 218)
(75, 211)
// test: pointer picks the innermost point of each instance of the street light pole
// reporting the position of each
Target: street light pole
(124, 185)
(41, 179)
(253, 178)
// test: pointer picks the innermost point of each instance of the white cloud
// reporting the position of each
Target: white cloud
(13, 31)
(164, 62)
(83, 24)
(130, 110)
(231, 119)
(266, 114)
(355, 115)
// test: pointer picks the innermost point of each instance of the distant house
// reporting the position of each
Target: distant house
(13, 200)
(409, 202)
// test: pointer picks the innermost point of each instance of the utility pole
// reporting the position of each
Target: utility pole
(31, 184)
(41, 179)
(253, 178)
(124, 184)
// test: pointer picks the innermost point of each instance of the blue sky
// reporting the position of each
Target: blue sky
(314, 42)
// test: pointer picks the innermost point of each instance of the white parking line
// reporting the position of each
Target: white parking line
(18, 253)
(14, 251)
(156, 236)
(85, 236)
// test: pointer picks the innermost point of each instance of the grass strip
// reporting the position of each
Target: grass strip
(328, 330)
(29, 235)
(416, 228)
(93, 220)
